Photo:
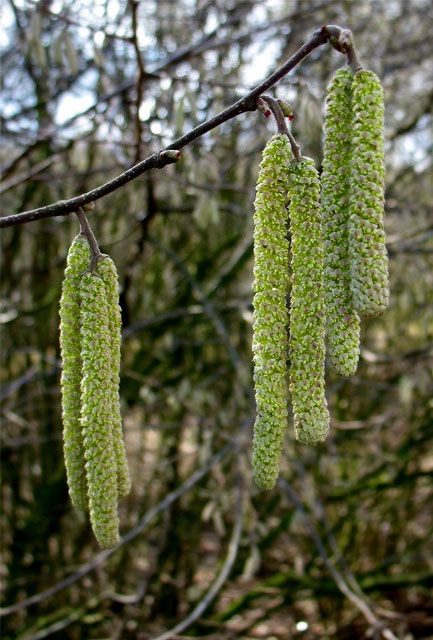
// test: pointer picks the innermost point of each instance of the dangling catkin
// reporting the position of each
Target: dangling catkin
(77, 263)
(271, 262)
(108, 272)
(96, 410)
(368, 255)
(341, 318)
(307, 306)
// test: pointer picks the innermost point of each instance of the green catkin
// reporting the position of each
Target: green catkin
(307, 307)
(270, 318)
(108, 272)
(96, 410)
(369, 259)
(77, 263)
(343, 325)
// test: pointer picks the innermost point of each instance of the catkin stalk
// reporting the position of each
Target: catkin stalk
(77, 263)
(96, 410)
(343, 325)
(270, 318)
(307, 306)
(368, 255)
(107, 270)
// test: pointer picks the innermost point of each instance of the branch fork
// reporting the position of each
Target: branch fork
(278, 110)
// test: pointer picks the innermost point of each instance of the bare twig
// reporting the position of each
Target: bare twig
(339, 580)
(57, 626)
(232, 553)
(23, 177)
(342, 41)
(277, 113)
(145, 521)
(156, 161)
(320, 513)
(134, 4)
(160, 159)
(282, 125)
(208, 306)
(86, 230)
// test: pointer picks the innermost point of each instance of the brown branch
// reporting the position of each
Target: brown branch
(160, 159)
(134, 4)
(155, 161)
(376, 624)
(100, 558)
(277, 113)
(342, 41)
(86, 230)
(282, 125)
(222, 576)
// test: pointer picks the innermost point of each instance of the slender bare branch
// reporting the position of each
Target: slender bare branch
(232, 553)
(362, 606)
(282, 125)
(342, 41)
(160, 159)
(145, 521)
(141, 74)
(86, 230)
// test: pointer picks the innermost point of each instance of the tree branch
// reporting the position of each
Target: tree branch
(342, 41)
(86, 230)
(277, 113)
(160, 159)
(376, 624)
(100, 558)
(141, 74)
(222, 576)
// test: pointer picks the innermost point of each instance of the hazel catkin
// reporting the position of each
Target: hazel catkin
(108, 272)
(307, 305)
(96, 410)
(368, 255)
(77, 263)
(270, 317)
(343, 325)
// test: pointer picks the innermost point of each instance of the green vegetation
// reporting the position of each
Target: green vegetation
(181, 239)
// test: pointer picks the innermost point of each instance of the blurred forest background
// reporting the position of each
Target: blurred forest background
(343, 545)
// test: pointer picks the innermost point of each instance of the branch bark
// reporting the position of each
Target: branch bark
(162, 158)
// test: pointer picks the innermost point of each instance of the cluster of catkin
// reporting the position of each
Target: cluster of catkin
(90, 325)
(337, 260)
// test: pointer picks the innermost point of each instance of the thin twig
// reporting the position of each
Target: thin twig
(58, 626)
(320, 513)
(160, 159)
(145, 521)
(134, 4)
(14, 181)
(86, 230)
(342, 41)
(296, 149)
(282, 125)
(339, 580)
(277, 113)
(155, 161)
(216, 587)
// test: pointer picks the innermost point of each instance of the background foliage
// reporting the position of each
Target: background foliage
(347, 533)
